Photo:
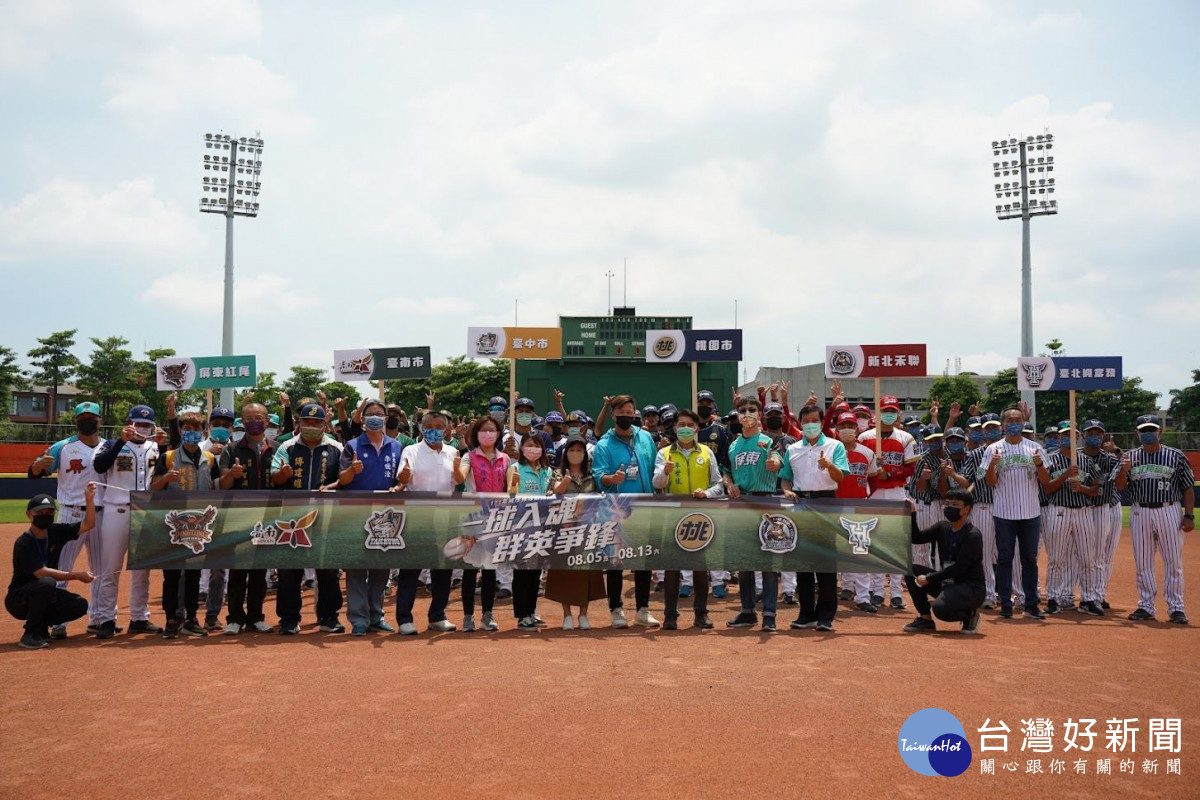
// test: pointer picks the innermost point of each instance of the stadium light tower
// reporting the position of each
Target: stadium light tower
(1026, 191)
(232, 167)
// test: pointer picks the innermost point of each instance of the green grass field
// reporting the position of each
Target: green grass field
(12, 510)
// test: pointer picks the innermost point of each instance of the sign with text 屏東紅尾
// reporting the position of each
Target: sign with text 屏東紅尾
(204, 372)
(1064, 373)
(848, 361)
(514, 342)
(664, 346)
(382, 363)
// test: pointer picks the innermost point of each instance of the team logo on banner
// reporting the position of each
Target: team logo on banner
(841, 362)
(486, 344)
(384, 529)
(1034, 372)
(291, 532)
(694, 532)
(777, 533)
(664, 346)
(175, 375)
(358, 366)
(859, 533)
(191, 529)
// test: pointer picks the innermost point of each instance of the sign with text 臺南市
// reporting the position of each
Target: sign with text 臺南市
(1064, 373)
(875, 361)
(665, 346)
(206, 372)
(359, 530)
(514, 342)
(382, 363)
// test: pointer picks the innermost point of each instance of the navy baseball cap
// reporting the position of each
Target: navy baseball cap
(935, 432)
(730, 417)
(911, 419)
(665, 407)
(990, 419)
(955, 431)
(974, 422)
(554, 416)
(1148, 421)
(40, 502)
(769, 407)
(141, 414)
(1028, 428)
(524, 402)
(314, 411)
(497, 401)
(221, 413)
(668, 416)
(1051, 430)
(649, 410)
(1089, 424)
(705, 394)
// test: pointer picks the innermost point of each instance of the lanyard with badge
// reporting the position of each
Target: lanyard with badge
(633, 467)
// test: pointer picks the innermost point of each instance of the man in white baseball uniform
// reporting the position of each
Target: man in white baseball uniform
(1106, 506)
(1071, 536)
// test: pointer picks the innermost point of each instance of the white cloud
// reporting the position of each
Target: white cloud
(206, 296)
(172, 80)
(422, 305)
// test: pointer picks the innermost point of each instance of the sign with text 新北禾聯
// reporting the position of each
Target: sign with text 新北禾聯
(847, 361)
(664, 346)
(1064, 373)
(204, 372)
(383, 363)
(514, 342)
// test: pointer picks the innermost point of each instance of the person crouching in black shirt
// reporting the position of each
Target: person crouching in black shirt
(958, 586)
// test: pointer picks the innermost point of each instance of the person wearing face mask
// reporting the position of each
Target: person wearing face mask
(220, 434)
(916, 430)
(576, 424)
(650, 420)
(712, 433)
(974, 472)
(124, 464)
(897, 462)
(71, 460)
(397, 425)
(1105, 505)
(958, 586)
(1013, 475)
(239, 431)
(863, 417)
(368, 464)
(623, 463)
(523, 423)
(428, 466)
(555, 425)
(1162, 490)
(1068, 533)
(497, 409)
(974, 434)
(923, 489)
(308, 463)
(487, 473)
(575, 588)
(35, 594)
(530, 475)
(246, 465)
(856, 485)
(778, 428)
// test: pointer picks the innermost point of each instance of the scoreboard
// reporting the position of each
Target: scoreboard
(613, 338)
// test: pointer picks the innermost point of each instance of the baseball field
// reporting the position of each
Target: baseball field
(620, 713)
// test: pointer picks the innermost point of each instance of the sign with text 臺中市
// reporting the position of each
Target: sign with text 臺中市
(361, 530)
(514, 342)
(664, 346)
(875, 361)
(382, 363)
(206, 372)
(1063, 373)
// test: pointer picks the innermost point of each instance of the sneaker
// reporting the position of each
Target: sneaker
(768, 624)
(800, 624)
(469, 624)
(541, 623)
(719, 590)
(193, 628)
(172, 629)
(670, 624)
(642, 617)
(143, 626)
(1092, 607)
(503, 594)
(618, 618)
(308, 584)
(1179, 618)
(289, 630)
(212, 624)
(233, 629)
(846, 594)
(443, 626)
(703, 623)
(867, 608)
(1067, 606)
(1104, 605)
(332, 626)
(658, 587)
(95, 629)
(568, 623)
(455, 583)
(58, 632)
(408, 629)
(1052, 606)
(527, 624)
(989, 604)
(262, 627)
(1033, 612)
(744, 619)
(920, 624)
(359, 629)
(489, 622)
(877, 600)
(898, 603)
(825, 627)
(381, 626)
(971, 623)
(584, 623)
(1006, 612)
(31, 641)
(789, 599)
(733, 579)
(685, 591)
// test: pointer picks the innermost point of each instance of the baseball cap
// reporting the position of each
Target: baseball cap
(497, 401)
(861, 409)
(730, 417)
(665, 407)
(705, 394)
(574, 440)
(888, 401)
(87, 408)
(274, 420)
(847, 416)
(576, 416)
(1088, 424)
(769, 407)
(1028, 428)
(40, 502)
(933, 432)
(990, 419)
(554, 416)
(220, 413)
(1065, 426)
(237, 423)
(668, 416)
(1051, 430)
(974, 422)
(910, 419)
(649, 410)
(841, 407)
(1148, 421)
(537, 421)
(955, 431)
(524, 402)
(394, 407)
(141, 414)
(313, 411)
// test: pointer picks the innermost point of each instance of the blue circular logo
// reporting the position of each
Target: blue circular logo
(933, 742)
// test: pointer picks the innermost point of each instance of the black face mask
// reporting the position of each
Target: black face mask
(42, 521)
(705, 411)
(952, 514)
(774, 423)
(393, 423)
(87, 427)
(624, 421)
(555, 431)
(735, 428)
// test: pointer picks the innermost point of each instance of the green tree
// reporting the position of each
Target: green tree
(265, 391)
(959, 389)
(10, 379)
(1117, 408)
(53, 362)
(303, 382)
(1002, 390)
(1185, 404)
(335, 389)
(460, 385)
(108, 377)
(1055, 347)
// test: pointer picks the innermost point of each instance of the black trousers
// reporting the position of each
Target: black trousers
(525, 592)
(641, 587)
(191, 592)
(287, 595)
(672, 579)
(953, 603)
(487, 595)
(42, 604)
(245, 593)
(823, 607)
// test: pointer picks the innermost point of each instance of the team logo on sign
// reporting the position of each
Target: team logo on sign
(358, 366)
(841, 362)
(291, 532)
(777, 533)
(694, 532)
(191, 529)
(859, 533)
(175, 374)
(384, 529)
(664, 346)
(485, 345)
(1033, 373)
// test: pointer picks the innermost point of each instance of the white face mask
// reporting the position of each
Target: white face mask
(848, 435)
(575, 456)
(272, 433)
(862, 423)
(142, 432)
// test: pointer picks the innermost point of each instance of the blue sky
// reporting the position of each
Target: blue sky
(826, 164)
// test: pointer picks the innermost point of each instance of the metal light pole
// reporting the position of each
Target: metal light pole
(1026, 197)
(233, 197)
(610, 275)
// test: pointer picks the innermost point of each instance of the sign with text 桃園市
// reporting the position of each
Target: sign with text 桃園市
(359, 530)
(382, 363)
(513, 342)
(665, 346)
(205, 372)
(1063, 373)
(848, 361)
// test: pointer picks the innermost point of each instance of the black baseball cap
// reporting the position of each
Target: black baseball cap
(974, 422)
(990, 419)
(955, 431)
(649, 410)
(524, 402)
(705, 394)
(910, 419)
(769, 407)
(220, 412)
(668, 416)
(497, 401)
(1148, 421)
(1089, 424)
(934, 432)
(574, 440)
(40, 502)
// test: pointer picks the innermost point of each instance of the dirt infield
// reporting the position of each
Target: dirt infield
(585, 714)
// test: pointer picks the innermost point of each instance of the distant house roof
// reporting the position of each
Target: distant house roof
(63, 389)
